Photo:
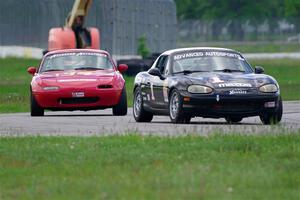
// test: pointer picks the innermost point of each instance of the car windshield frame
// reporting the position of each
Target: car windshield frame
(77, 61)
(212, 55)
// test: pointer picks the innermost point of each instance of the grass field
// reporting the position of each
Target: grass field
(136, 167)
(14, 81)
(287, 73)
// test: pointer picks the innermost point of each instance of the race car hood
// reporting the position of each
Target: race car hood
(230, 80)
(75, 77)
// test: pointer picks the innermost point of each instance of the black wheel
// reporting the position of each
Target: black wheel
(140, 115)
(232, 120)
(35, 109)
(273, 118)
(175, 109)
(121, 108)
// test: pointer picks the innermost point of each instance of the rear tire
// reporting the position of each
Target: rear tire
(175, 109)
(233, 120)
(35, 109)
(139, 114)
(273, 118)
(121, 108)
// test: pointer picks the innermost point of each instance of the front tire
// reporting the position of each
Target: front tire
(273, 118)
(175, 109)
(35, 109)
(121, 108)
(139, 114)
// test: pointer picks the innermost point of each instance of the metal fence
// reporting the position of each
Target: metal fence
(284, 30)
(121, 23)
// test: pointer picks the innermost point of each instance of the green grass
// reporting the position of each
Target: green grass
(14, 81)
(14, 84)
(286, 72)
(129, 89)
(137, 167)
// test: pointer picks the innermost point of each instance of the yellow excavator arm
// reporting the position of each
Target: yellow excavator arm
(74, 35)
(80, 8)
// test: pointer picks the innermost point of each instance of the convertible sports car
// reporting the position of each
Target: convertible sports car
(205, 82)
(77, 79)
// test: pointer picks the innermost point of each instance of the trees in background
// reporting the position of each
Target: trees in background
(292, 12)
(231, 9)
(235, 12)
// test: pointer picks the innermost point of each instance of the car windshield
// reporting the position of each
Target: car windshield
(76, 61)
(209, 61)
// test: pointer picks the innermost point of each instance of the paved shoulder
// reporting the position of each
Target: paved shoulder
(102, 123)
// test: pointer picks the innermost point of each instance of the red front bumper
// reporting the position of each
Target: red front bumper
(78, 98)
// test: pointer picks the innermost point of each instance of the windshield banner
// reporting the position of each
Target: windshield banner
(207, 53)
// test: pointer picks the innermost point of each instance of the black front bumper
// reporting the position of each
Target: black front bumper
(218, 106)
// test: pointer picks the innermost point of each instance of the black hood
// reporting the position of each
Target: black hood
(223, 80)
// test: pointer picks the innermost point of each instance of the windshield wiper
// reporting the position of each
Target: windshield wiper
(188, 71)
(50, 70)
(228, 70)
(88, 68)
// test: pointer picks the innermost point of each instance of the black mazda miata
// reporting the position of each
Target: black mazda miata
(205, 82)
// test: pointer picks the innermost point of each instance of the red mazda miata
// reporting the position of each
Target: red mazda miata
(77, 79)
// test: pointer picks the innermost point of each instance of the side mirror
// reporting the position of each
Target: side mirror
(122, 68)
(259, 70)
(31, 70)
(156, 72)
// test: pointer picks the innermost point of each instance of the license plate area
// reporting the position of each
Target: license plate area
(78, 94)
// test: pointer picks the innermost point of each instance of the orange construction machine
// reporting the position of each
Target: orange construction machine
(74, 35)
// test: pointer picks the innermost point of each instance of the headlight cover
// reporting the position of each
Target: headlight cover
(50, 88)
(199, 89)
(268, 88)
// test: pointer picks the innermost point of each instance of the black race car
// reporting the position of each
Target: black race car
(205, 82)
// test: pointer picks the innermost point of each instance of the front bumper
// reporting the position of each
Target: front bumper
(218, 105)
(89, 98)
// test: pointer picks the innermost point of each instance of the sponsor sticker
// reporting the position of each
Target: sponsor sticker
(76, 80)
(217, 98)
(70, 73)
(77, 54)
(207, 54)
(216, 80)
(224, 85)
(237, 91)
(85, 73)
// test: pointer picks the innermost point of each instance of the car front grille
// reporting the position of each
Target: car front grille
(78, 100)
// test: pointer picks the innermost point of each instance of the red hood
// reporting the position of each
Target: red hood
(77, 78)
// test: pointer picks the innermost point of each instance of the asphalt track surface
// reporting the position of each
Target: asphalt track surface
(102, 122)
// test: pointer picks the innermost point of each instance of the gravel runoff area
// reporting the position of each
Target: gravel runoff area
(101, 122)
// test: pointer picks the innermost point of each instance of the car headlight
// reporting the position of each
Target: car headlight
(199, 89)
(268, 88)
(50, 88)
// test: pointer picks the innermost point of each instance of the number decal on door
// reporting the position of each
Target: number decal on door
(152, 92)
(165, 91)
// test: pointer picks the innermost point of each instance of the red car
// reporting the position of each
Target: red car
(78, 79)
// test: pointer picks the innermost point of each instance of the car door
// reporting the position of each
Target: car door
(147, 87)
(158, 84)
